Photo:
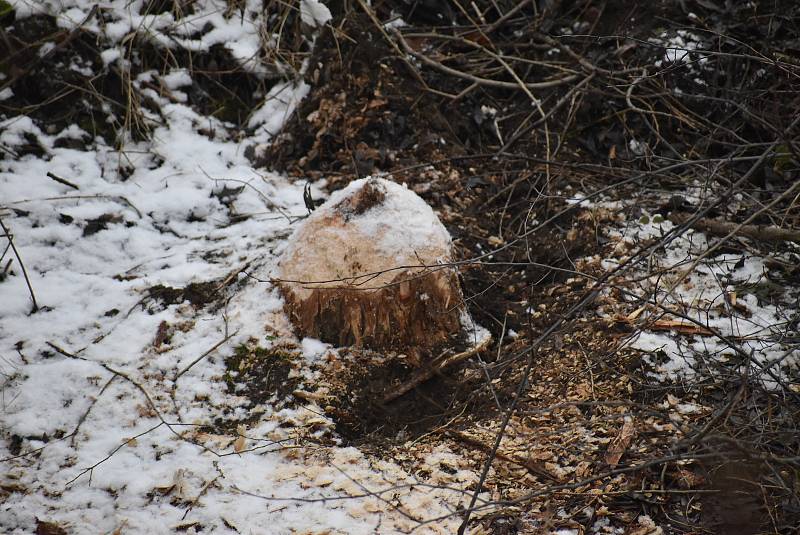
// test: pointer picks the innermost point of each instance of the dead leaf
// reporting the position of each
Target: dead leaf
(162, 334)
(644, 526)
(635, 314)
(620, 443)
(145, 411)
(583, 469)
(165, 490)
(310, 396)
(240, 443)
(48, 528)
(687, 479)
(375, 103)
(222, 441)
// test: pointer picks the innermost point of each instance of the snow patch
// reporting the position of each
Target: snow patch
(313, 349)
(314, 13)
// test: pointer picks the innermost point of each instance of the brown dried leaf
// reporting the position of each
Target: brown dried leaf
(162, 334)
(375, 103)
(688, 479)
(48, 528)
(164, 491)
(240, 443)
(644, 526)
(583, 469)
(620, 443)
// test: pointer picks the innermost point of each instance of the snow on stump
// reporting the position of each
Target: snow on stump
(366, 269)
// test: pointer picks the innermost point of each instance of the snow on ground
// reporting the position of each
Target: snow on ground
(682, 49)
(100, 427)
(725, 292)
(679, 47)
(314, 13)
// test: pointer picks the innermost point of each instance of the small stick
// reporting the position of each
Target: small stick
(201, 357)
(21, 265)
(496, 24)
(426, 373)
(2, 256)
(115, 198)
(61, 180)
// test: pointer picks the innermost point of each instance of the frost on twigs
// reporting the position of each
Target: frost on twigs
(368, 269)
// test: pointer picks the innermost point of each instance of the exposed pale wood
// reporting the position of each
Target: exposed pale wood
(352, 283)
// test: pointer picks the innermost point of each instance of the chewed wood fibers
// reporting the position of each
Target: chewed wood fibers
(359, 273)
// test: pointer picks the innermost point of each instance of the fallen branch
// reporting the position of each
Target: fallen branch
(7, 234)
(723, 228)
(435, 367)
(679, 326)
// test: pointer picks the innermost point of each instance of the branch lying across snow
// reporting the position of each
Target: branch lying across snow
(723, 228)
(677, 326)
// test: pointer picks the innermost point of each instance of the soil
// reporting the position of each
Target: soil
(362, 420)
(198, 294)
(54, 94)
(261, 376)
(735, 504)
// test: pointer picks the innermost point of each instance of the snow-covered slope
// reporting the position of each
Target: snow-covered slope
(104, 391)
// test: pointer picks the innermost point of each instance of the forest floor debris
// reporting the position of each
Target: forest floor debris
(642, 374)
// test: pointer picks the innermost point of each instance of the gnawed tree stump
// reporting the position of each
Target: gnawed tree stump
(366, 269)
